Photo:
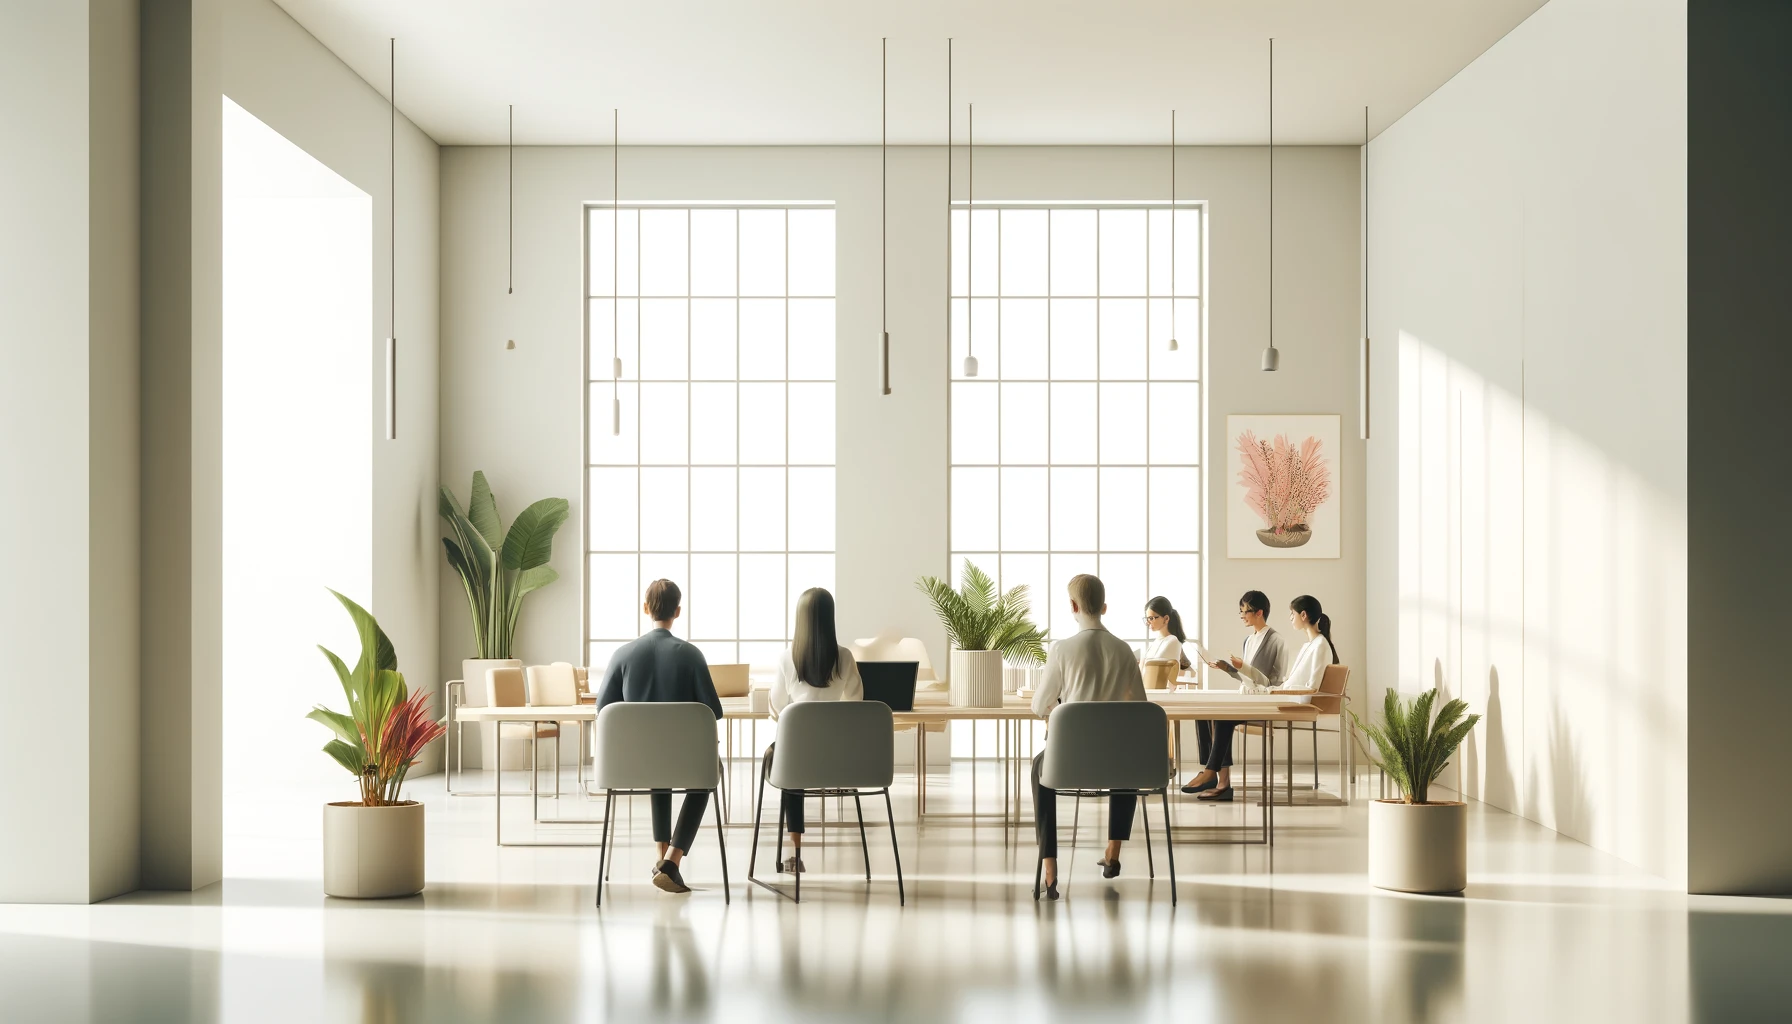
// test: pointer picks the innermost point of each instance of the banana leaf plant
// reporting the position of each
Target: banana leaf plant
(498, 567)
(1412, 747)
(386, 728)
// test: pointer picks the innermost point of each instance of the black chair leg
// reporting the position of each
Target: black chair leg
(1169, 846)
(864, 844)
(901, 896)
(758, 810)
(1150, 865)
(722, 846)
(796, 853)
(603, 843)
(1038, 873)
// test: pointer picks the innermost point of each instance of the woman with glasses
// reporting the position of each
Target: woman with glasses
(1162, 619)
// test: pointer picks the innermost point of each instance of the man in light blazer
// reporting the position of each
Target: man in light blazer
(1263, 651)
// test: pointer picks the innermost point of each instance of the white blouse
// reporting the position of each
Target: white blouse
(843, 685)
(1164, 648)
(1309, 668)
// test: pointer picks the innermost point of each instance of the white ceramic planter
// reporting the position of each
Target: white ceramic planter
(976, 679)
(1418, 847)
(478, 695)
(373, 852)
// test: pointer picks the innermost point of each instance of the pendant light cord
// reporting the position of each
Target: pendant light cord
(392, 179)
(1172, 225)
(1272, 193)
(1365, 222)
(511, 289)
(884, 230)
(970, 234)
(949, 200)
(615, 250)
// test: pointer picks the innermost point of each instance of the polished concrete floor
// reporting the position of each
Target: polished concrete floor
(1547, 930)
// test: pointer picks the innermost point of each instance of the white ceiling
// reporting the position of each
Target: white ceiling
(787, 72)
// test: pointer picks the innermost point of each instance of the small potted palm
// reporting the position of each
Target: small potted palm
(1417, 844)
(985, 629)
(373, 847)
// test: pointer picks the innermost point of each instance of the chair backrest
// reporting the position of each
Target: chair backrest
(582, 678)
(505, 688)
(1330, 698)
(553, 685)
(655, 746)
(1106, 745)
(885, 648)
(731, 680)
(1160, 675)
(829, 744)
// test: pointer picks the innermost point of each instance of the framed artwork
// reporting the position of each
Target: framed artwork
(1282, 486)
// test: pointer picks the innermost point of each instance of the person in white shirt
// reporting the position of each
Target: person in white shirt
(1299, 686)
(815, 667)
(1162, 618)
(1092, 665)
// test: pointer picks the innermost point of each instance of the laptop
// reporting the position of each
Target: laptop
(892, 682)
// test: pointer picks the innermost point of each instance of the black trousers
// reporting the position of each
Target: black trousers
(1045, 813)
(792, 799)
(690, 818)
(1216, 752)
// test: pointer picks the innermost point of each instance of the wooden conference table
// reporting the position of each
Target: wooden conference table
(931, 707)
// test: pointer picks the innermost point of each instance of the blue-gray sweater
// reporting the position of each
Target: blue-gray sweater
(659, 667)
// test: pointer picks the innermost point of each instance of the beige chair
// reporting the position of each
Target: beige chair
(1160, 675)
(509, 688)
(1331, 698)
(731, 680)
(555, 686)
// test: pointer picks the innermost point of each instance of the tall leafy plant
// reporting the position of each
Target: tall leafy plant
(378, 740)
(978, 619)
(498, 567)
(1414, 747)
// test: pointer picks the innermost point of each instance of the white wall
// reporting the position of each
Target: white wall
(1528, 471)
(281, 74)
(516, 413)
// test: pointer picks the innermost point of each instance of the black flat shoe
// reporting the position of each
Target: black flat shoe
(1192, 788)
(1218, 796)
(1051, 891)
(1109, 868)
(669, 880)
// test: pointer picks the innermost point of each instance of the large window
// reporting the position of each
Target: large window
(1077, 447)
(722, 477)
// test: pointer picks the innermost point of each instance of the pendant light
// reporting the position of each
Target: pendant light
(1173, 345)
(1362, 411)
(884, 229)
(970, 241)
(392, 238)
(616, 273)
(510, 214)
(1272, 358)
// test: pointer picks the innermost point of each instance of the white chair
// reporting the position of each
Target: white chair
(642, 747)
(556, 686)
(1107, 747)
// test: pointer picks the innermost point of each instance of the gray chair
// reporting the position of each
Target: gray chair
(1099, 748)
(832, 749)
(643, 747)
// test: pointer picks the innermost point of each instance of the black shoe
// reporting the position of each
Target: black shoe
(1109, 868)
(669, 880)
(791, 866)
(1212, 781)
(1051, 891)
(1218, 796)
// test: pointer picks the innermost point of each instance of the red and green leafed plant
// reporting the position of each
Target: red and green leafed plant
(1283, 484)
(386, 728)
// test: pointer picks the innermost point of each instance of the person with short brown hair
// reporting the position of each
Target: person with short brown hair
(661, 667)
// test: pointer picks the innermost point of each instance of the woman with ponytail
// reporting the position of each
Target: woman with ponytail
(1162, 618)
(1310, 663)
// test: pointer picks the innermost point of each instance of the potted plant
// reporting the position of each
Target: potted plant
(1417, 844)
(373, 847)
(498, 567)
(985, 630)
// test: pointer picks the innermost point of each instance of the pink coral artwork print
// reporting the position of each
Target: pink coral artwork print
(1284, 494)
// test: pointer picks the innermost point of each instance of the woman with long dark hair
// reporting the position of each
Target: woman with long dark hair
(815, 667)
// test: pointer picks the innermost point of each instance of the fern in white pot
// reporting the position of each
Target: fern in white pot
(986, 629)
(1417, 844)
